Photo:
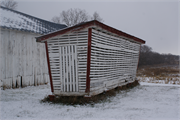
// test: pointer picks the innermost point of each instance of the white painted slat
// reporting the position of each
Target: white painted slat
(77, 87)
(61, 69)
(70, 60)
(54, 55)
(67, 69)
(63, 55)
(73, 74)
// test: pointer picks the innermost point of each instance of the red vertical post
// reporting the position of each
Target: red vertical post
(88, 60)
(49, 69)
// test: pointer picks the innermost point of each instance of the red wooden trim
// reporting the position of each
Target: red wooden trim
(88, 24)
(88, 60)
(49, 69)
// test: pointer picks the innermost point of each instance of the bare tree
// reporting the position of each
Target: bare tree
(97, 17)
(11, 4)
(75, 16)
(145, 49)
(72, 17)
(145, 55)
(56, 19)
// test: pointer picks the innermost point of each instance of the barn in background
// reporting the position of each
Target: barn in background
(22, 59)
(90, 58)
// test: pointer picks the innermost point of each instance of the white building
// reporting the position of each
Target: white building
(22, 59)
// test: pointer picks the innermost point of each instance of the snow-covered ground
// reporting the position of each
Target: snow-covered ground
(145, 102)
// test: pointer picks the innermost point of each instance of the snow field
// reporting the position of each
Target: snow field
(145, 102)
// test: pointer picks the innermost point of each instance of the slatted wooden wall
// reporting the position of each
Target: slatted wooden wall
(113, 60)
(22, 59)
(68, 61)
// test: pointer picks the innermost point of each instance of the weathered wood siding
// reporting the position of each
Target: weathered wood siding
(113, 61)
(68, 62)
(22, 59)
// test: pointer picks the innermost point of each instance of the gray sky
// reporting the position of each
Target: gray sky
(155, 21)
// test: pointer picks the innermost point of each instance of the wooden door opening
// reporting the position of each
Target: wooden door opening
(68, 68)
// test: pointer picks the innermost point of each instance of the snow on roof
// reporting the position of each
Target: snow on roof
(12, 19)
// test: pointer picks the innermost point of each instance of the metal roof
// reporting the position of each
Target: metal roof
(12, 19)
(93, 23)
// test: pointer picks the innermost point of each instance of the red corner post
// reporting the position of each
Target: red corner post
(49, 69)
(88, 60)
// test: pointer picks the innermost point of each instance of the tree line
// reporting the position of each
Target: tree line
(149, 57)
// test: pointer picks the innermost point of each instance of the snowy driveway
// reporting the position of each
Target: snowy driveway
(144, 102)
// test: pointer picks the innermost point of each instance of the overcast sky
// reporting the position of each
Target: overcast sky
(155, 21)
